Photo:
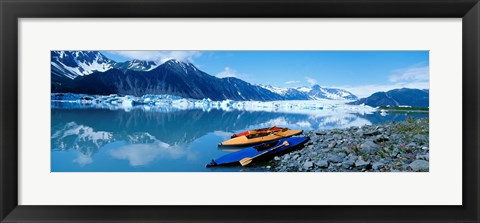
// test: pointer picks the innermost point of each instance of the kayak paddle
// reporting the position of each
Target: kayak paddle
(247, 160)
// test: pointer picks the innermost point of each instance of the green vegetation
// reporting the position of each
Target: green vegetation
(412, 126)
(406, 109)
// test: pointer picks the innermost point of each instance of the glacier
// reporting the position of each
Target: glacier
(170, 103)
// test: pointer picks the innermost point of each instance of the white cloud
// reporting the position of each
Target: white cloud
(416, 76)
(409, 74)
(83, 159)
(304, 124)
(222, 134)
(292, 82)
(228, 72)
(276, 122)
(311, 80)
(158, 56)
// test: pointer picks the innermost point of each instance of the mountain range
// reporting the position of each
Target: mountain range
(311, 93)
(397, 97)
(91, 72)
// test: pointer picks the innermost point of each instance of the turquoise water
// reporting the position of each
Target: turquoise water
(102, 140)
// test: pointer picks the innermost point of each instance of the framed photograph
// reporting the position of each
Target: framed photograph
(223, 111)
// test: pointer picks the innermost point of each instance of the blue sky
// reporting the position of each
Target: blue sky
(361, 72)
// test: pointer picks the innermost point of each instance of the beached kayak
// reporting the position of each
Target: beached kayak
(264, 151)
(271, 136)
(258, 132)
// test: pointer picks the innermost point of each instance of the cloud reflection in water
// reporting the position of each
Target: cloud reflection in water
(143, 154)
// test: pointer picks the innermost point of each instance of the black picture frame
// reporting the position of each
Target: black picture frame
(12, 10)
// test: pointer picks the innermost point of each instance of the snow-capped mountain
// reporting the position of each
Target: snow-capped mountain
(277, 90)
(72, 64)
(91, 72)
(172, 78)
(288, 93)
(318, 92)
(311, 93)
(136, 65)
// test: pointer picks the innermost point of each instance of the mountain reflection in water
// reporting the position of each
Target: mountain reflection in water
(185, 140)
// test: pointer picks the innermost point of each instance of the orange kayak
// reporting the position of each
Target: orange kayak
(258, 132)
(267, 137)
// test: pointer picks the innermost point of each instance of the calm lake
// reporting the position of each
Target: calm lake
(103, 140)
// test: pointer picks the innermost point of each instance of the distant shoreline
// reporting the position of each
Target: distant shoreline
(404, 109)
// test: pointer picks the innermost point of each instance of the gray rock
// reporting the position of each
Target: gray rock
(307, 165)
(419, 165)
(337, 136)
(334, 158)
(381, 138)
(371, 133)
(359, 132)
(369, 146)
(331, 145)
(348, 163)
(352, 156)
(395, 136)
(296, 156)
(412, 145)
(378, 165)
(422, 157)
(324, 150)
(421, 138)
(425, 148)
(342, 155)
(322, 164)
(361, 163)
(276, 158)
(323, 145)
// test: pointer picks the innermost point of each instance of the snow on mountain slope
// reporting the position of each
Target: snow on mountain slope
(72, 64)
(311, 93)
(277, 90)
(330, 93)
(101, 75)
(304, 89)
(137, 65)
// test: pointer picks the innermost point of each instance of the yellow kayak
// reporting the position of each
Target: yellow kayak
(244, 141)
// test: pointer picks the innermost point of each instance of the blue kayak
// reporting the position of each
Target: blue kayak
(270, 149)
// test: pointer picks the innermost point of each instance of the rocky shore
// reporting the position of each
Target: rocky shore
(386, 147)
